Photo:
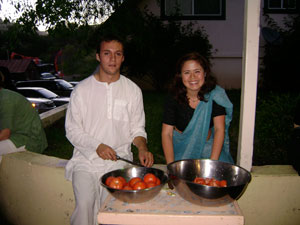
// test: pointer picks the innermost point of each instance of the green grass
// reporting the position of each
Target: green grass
(273, 126)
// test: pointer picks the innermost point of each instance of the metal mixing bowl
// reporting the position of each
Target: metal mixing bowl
(135, 196)
(183, 172)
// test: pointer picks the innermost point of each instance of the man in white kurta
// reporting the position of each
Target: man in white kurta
(104, 117)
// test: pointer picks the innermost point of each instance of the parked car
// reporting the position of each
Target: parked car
(41, 104)
(47, 76)
(39, 92)
(58, 86)
(74, 83)
(47, 68)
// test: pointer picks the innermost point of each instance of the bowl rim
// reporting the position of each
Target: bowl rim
(134, 191)
(131, 191)
(232, 164)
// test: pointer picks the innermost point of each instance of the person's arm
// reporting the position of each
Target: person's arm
(4, 134)
(106, 152)
(167, 142)
(219, 128)
(75, 133)
(145, 157)
(137, 130)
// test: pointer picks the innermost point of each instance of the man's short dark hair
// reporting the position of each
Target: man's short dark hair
(108, 38)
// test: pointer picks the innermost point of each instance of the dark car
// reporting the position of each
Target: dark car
(41, 104)
(47, 76)
(38, 92)
(58, 86)
(74, 83)
(47, 68)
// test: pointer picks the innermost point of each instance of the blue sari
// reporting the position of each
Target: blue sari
(192, 143)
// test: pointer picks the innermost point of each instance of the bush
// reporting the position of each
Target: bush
(273, 128)
(281, 61)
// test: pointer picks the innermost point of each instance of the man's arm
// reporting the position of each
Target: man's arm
(145, 157)
(4, 134)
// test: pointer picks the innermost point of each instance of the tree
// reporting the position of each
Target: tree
(54, 12)
(152, 45)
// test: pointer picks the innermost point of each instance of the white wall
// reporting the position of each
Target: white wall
(33, 191)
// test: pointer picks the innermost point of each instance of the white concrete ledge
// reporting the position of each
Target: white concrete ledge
(33, 191)
(53, 115)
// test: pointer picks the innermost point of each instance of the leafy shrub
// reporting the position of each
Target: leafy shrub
(281, 61)
(273, 127)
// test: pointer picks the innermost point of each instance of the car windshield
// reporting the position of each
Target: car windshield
(48, 94)
(65, 84)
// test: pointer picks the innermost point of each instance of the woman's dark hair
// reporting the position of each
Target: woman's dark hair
(178, 90)
(108, 38)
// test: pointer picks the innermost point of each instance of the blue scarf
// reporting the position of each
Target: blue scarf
(192, 143)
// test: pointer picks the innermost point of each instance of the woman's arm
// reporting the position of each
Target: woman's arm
(167, 142)
(4, 134)
(219, 127)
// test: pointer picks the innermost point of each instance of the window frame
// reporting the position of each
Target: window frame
(281, 10)
(193, 17)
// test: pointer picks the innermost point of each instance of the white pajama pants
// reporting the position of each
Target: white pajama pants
(7, 146)
(89, 195)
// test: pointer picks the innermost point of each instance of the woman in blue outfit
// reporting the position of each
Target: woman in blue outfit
(197, 114)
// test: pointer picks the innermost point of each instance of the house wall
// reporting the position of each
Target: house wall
(226, 36)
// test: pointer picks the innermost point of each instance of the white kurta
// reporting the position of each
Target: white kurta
(98, 112)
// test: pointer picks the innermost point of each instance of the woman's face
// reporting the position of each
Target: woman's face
(193, 76)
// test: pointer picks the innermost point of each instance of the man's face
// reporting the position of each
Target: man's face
(110, 58)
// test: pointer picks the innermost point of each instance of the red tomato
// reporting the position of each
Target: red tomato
(215, 183)
(207, 181)
(134, 180)
(123, 180)
(108, 180)
(127, 187)
(116, 183)
(199, 180)
(139, 185)
(223, 183)
(150, 177)
(151, 184)
(157, 181)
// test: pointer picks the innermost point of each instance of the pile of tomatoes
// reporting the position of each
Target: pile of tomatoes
(210, 182)
(135, 183)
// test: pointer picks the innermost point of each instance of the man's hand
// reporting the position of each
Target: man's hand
(105, 152)
(145, 157)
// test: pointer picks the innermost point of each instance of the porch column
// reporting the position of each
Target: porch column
(249, 83)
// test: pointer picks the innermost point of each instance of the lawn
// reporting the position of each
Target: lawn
(273, 126)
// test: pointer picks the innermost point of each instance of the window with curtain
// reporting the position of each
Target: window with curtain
(281, 6)
(193, 9)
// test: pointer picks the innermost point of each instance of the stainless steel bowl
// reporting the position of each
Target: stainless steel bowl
(135, 196)
(183, 172)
